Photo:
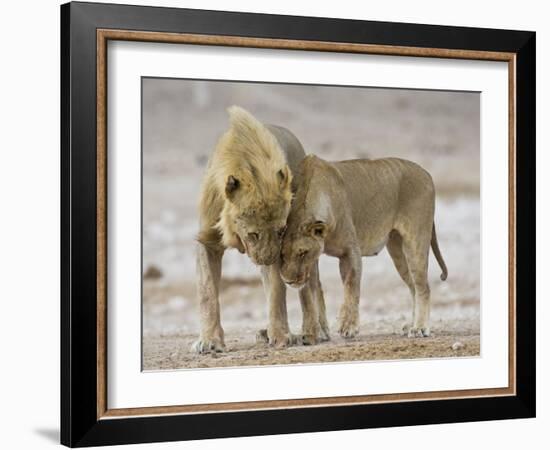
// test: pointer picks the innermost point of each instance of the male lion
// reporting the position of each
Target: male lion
(244, 203)
(350, 209)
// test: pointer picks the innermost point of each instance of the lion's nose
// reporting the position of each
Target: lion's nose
(294, 282)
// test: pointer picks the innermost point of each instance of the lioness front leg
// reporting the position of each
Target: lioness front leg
(314, 316)
(310, 315)
(350, 271)
(317, 289)
(209, 266)
(278, 333)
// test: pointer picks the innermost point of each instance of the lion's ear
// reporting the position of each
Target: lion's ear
(239, 244)
(318, 229)
(285, 177)
(231, 186)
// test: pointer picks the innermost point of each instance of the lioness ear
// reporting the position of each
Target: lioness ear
(318, 230)
(284, 176)
(231, 186)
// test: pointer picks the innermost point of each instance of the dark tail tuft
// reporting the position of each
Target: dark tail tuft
(438, 256)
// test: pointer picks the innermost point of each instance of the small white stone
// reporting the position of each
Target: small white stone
(176, 303)
(457, 346)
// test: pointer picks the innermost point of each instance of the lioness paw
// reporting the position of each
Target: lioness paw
(348, 332)
(321, 334)
(419, 332)
(324, 334)
(309, 339)
(311, 332)
(213, 345)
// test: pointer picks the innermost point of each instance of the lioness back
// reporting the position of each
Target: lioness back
(380, 190)
(382, 175)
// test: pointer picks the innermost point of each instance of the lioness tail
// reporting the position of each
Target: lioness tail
(438, 256)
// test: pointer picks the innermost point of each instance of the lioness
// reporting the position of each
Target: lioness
(244, 203)
(350, 209)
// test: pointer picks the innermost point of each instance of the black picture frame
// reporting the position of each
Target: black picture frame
(80, 425)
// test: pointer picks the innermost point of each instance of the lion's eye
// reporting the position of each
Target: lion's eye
(253, 236)
(302, 254)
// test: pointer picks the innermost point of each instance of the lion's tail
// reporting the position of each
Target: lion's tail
(438, 256)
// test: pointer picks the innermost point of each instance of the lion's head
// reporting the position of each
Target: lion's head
(254, 178)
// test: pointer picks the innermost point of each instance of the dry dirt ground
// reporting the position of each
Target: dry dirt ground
(171, 351)
(162, 352)
(181, 123)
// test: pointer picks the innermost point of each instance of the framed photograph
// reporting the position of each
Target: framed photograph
(276, 224)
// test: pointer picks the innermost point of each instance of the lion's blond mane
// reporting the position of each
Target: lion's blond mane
(250, 153)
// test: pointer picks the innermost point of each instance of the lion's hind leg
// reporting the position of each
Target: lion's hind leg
(395, 249)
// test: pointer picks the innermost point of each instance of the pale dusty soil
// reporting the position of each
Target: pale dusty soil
(182, 121)
(171, 351)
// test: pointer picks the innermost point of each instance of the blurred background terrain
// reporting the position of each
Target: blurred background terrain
(182, 120)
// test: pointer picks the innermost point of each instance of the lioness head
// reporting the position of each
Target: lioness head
(256, 182)
(302, 245)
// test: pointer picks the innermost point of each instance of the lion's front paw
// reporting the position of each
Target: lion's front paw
(281, 339)
(420, 332)
(349, 326)
(208, 345)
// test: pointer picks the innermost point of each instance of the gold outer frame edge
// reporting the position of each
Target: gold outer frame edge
(104, 35)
